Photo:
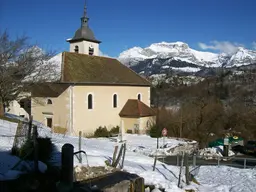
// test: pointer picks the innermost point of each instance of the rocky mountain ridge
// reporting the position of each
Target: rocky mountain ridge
(159, 58)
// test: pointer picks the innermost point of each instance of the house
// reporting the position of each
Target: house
(21, 106)
(93, 91)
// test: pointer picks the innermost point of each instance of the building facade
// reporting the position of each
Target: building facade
(92, 91)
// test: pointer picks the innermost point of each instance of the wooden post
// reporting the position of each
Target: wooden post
(67, 163)
(122, 165)
(154, 165)
(114, 155)
(181, 167)
(67, 168)
(30, 127)
(194, 160)
(118, 157)
(157, 146)
(80, 146)
(35, 135)
(186, 169)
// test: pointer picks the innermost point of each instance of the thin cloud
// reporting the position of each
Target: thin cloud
(254, 45)
(103, 54)
(222, 46)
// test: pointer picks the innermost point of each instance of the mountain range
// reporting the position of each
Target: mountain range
(178, 57)
(159, 58)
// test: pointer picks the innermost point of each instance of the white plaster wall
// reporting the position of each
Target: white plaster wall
(15, 109)
(84, 47)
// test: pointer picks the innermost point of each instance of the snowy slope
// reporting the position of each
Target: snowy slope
(242, 57)
(211, 178)
(56, 60)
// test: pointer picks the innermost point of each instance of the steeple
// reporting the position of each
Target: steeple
(84, 19)
(84, 40)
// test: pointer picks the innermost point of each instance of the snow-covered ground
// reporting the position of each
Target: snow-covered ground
(211, 178)
(146, 145)
(214, 152)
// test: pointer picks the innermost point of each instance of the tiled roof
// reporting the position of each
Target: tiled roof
(48, 89)
(135, 108)
(96, 70)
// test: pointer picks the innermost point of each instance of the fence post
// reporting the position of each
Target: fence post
(244, 163)
(67, 163)
(30, 126)
(181, 166)
(114, 155)
(154, 165)
(122, 165)
(218, 161)
(194, 160)
(80, 146)
(118, 156)
(186, 168)
(35, 135)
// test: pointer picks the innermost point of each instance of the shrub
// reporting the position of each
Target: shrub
(60, 130)
(155, 132)
(114, 130)
(45, 149)
(101, 132)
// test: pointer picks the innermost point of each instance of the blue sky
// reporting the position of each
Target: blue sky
(212, 25)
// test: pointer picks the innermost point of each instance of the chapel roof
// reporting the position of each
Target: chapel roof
(48, 89)
(135, 108)
(96, 70)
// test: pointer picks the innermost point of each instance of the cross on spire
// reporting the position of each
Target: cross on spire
(84, 19)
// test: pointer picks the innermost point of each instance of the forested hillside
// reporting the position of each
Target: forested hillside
(209, 109)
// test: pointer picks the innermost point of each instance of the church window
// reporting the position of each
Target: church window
(76, 49)
(90, 101)
(115, 101)
(49, 101)
(91, 50)
(139, 97)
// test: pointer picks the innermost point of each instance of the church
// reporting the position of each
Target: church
(93, 91)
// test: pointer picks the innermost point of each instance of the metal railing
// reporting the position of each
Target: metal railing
(233, 161)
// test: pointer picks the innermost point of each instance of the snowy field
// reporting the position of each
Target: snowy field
(211, 178)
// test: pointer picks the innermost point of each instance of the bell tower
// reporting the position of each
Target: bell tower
(84, 40)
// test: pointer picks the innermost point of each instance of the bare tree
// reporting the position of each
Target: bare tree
(21, 65)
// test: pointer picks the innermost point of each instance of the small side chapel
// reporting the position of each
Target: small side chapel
(93, 91)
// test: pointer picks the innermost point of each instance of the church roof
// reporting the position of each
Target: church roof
(134, 108)
(84, 32)
(48, 89)
(96, 70)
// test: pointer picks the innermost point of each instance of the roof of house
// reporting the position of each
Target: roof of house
(48, 89)
(96, 70)
(135, 108)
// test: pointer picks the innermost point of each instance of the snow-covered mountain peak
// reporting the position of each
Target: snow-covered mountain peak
(165, 47)
(175, 50)
(163, 54)
(132, 52)
(242, 56)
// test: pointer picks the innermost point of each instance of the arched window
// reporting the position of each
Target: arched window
(115, 101)
(49, 101)
(76, 49)
(139, 96)
(90, 101)
(91, 50)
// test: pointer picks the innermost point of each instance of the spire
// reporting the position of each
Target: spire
(84, 19)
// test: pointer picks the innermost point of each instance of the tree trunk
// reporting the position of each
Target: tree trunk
(1, 108)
